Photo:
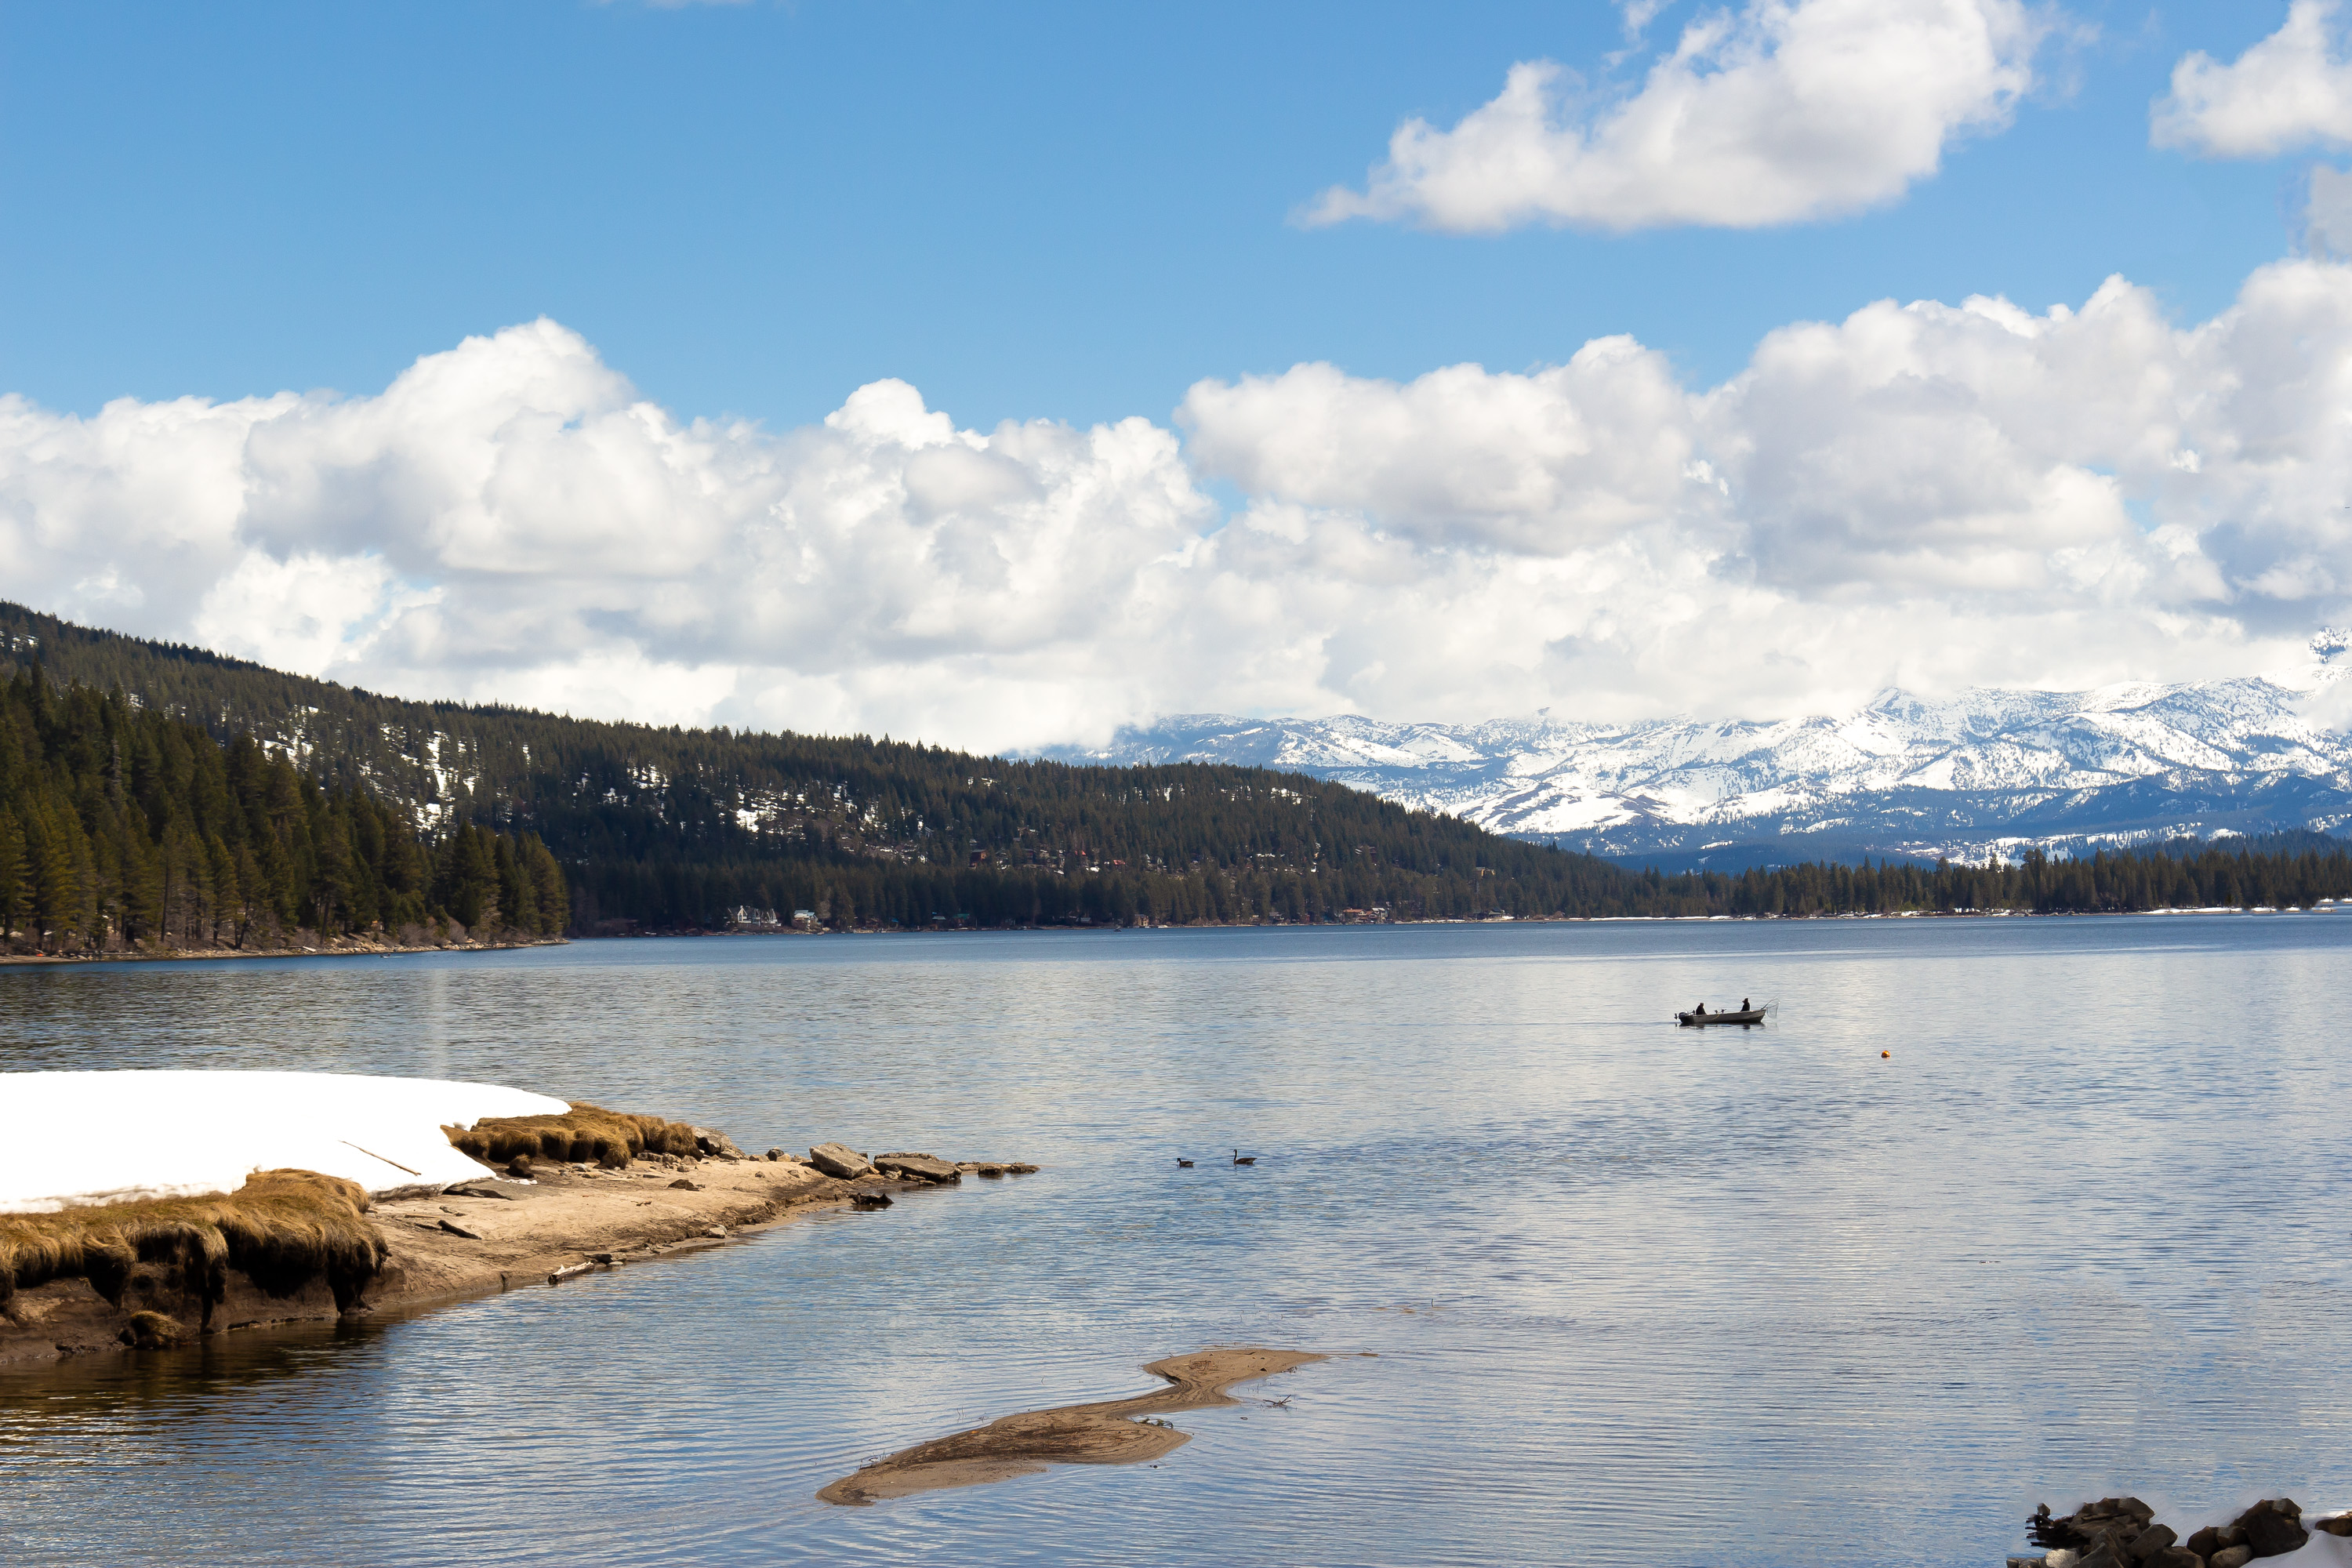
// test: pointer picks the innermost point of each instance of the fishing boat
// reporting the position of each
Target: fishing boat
(1699, 1020)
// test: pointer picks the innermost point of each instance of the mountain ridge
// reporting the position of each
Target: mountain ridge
(1986, 771)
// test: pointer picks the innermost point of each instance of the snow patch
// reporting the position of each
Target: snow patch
(80, 1138)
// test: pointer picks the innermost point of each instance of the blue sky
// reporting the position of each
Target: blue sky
(1003, 375)
(1068, 212)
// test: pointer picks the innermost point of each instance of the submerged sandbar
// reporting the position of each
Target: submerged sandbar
(1113, 1432)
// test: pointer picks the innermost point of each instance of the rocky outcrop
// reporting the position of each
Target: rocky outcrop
(2123, 1532)
(840, 1162)
(917, 1168)
(713, 1144)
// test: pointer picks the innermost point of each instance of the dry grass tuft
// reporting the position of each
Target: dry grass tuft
(282, 1230)
(583, 1132)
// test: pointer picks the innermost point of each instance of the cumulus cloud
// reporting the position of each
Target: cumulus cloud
(1789, 110)
(1928, 495)
(2291, 90)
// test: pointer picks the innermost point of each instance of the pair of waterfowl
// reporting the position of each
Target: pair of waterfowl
(1239, 1158)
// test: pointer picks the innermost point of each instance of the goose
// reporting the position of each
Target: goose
(1184, 1165)
(1241, 1158)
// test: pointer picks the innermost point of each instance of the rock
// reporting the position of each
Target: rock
(1017, 1170)
(2205, 1541)
(715, 1144)
(717, 1230)
(153, 1330)
(2230, 1557)
(2156, 1538)
(838, 1160)
(453, 1228)
(2062, 1557)
(870, 1200)
(775, 1154)
(684, 1185)
(519, 1167)
(2174, 1557)
(479, 1190)
(918, 1167)
(2274, 1527)
(2339, 1524)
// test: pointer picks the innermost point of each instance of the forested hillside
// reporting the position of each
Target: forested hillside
(123, 828)
(670, 828)
(679, 829)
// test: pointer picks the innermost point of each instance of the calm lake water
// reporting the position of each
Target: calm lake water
(1629, 1295)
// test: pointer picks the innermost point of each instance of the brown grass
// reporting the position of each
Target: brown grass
(582, 1133)
(282, 1230)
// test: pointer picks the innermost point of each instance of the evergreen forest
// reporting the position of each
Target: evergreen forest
(123, 828)
(351, 810)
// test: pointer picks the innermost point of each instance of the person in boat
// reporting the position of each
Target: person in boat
(1743, 1003)
(1701, 1012)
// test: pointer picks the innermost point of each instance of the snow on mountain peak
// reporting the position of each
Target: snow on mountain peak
(1904, 773)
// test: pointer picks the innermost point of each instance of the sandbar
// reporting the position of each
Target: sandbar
(1114, 1432)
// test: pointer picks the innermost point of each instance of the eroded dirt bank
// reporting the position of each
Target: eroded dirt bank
(490, 1235)
(1114, 1432)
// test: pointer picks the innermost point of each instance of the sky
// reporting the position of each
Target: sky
(999, 376)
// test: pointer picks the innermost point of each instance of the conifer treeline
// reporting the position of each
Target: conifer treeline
(2184, 875)
(670, 828)
(122, 826)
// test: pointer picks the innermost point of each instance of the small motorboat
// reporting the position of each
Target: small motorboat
(1747, 1016)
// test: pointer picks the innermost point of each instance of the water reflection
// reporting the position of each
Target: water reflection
(1636, 1295)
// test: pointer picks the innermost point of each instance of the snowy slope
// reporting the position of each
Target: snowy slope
(1981, 770)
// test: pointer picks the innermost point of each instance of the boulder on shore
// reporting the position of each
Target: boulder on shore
(917, 1167)
(716, 1145)
(2272, 1527)
(2123, 1532)
(841, 1161)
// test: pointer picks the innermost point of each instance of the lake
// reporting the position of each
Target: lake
(1596, 1290)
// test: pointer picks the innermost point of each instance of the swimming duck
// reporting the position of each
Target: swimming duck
(1241, 1158)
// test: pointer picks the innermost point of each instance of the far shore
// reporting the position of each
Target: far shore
(349, 947)
(358, 947)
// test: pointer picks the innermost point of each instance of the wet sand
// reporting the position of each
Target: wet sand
(1115, 1432)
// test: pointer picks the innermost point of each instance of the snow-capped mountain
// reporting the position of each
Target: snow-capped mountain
(1983, 771)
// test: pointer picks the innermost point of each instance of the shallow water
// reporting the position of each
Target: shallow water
(1632, 1295)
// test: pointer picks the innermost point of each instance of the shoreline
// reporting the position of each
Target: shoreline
(348, 947)
(356, 949)
(483, 1238)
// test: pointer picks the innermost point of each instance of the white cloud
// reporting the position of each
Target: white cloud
(2289, 90)
(1792, 109)
(1924, 495)
(2327, 214)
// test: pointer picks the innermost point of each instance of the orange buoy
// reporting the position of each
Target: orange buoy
(1887, 1053)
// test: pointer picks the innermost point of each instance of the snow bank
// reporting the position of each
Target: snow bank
(112, 1137)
